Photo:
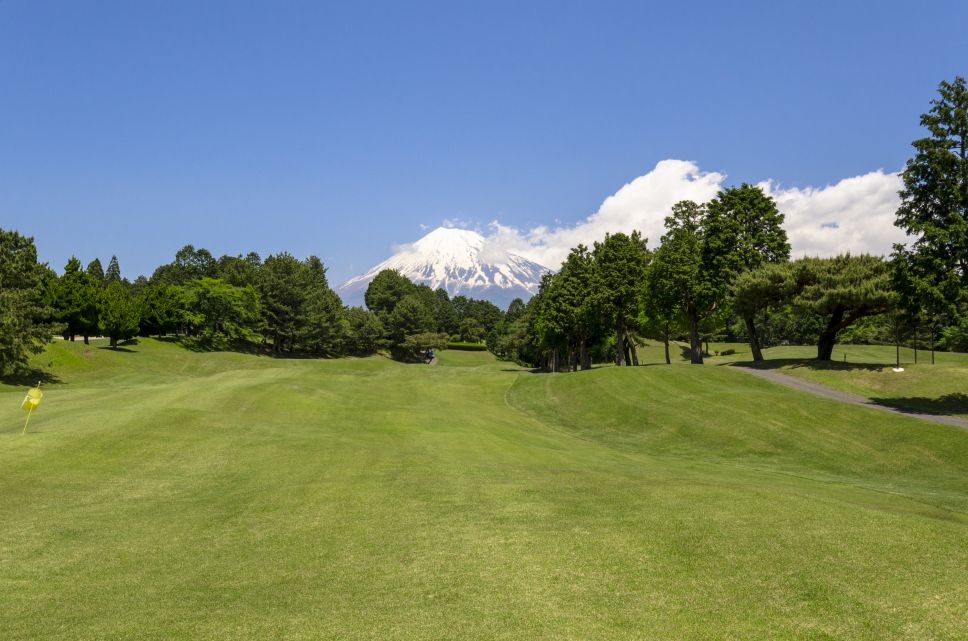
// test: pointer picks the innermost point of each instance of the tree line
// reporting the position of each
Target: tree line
(280, 305)
(723, 270)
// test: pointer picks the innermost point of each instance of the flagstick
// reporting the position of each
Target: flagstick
(29, 412)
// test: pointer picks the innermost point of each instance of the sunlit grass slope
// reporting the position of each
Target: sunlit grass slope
(165, 494)
(867, 370)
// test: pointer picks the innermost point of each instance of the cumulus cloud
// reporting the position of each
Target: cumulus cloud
(855, 214)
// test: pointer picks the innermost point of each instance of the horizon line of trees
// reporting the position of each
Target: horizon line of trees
(280, 305)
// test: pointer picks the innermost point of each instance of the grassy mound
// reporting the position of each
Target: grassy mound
(166, 494)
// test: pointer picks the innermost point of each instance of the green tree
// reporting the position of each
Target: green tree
(96, 271)
(113, 272)
(743, 229)
(758, 290)
(75, 301)
(24, 317)
(240, 270)
(385, 291)
(842, 290)
(681, 273)
(409, 316)
(364, 332)
(118, 313)
(620, 262)
(934, 210)
(189, 264)
(161, 309)
(283, 285)
(667, 278)
(223, 314)
(570, 314)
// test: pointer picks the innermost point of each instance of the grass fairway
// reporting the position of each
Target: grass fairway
(163, 494)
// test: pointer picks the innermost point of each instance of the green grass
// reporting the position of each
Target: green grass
(165, 494)
(941, 388)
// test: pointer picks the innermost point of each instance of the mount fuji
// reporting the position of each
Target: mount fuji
(462, 262)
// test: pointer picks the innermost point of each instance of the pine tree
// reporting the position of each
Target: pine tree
(934, 208)
(113, 273)
(96, 271)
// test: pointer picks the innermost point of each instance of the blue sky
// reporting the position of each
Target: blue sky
(133, 128)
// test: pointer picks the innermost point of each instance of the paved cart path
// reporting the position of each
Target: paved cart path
(844, 397)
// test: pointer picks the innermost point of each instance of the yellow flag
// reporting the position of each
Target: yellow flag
(32, 399)
(31, 402)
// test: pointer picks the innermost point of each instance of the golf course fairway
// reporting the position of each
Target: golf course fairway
(164, 494)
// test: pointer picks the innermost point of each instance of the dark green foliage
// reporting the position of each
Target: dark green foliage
(571, 316)
(409, 316)
(162, 309)
(843, 290)
(485, 313)
(189, 264)
(96, 271)
(238, 270)
(515, 338)
(933, 271)
(955, 337)
(118, 313)
(416, 346)
(24, 316)
(282, 286)
(323, 330)
(363, 332)
(385, 291)
(470, 330)
(743, 230)
(75, 300)
(221, 314)
(681, 275)
(467, 347)
(620, 261)
(113, 273)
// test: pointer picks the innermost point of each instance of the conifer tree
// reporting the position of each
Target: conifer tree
(933, 269)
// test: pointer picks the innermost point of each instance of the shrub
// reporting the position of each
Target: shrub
(468, 347)
(727, 352)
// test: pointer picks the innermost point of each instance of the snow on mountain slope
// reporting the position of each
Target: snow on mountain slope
(460, 261)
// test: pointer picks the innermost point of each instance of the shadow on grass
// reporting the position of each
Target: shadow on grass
(808, 363)
(30, 378)
(946, 405)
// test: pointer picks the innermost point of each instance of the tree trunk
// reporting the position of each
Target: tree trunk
(635, 354)
(586, 361)
(754, 340)
(114, 342)
(620, 344)
(666, 341)
(695, 345)
(828, 338)
(87, 339)
(628, 354)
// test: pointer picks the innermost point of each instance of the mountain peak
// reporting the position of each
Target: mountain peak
(461, 262)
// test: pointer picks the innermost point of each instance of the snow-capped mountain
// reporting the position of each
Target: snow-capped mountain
(463, 262)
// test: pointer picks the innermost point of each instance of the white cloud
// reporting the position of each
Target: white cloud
(855, 215)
